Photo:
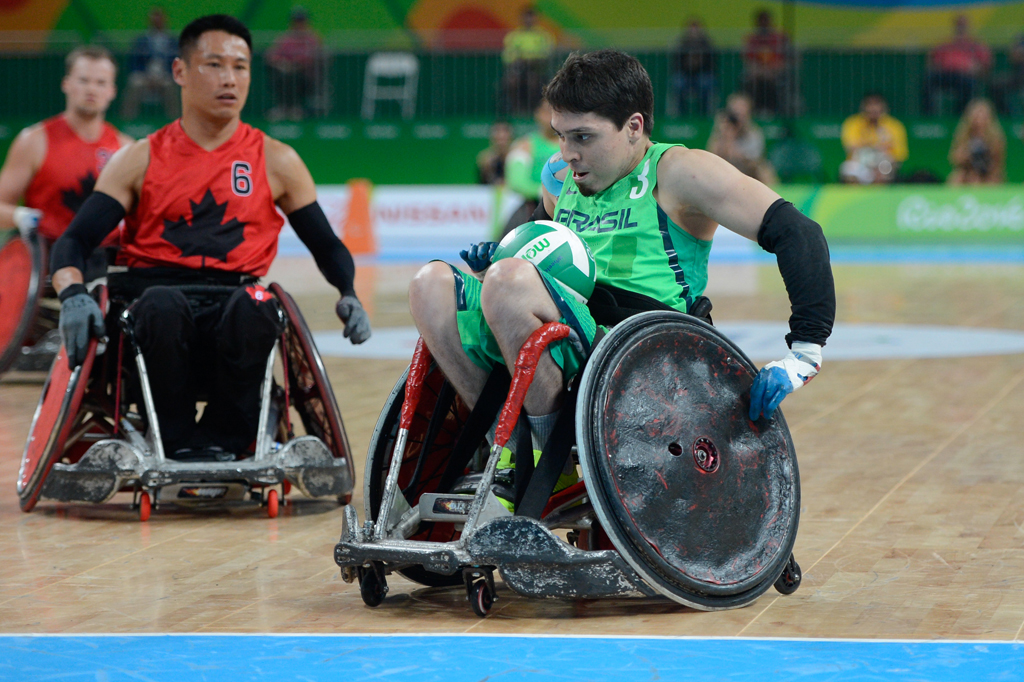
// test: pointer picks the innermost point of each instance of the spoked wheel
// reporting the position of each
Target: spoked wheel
(791, 577)
(702, 502)
(145, 506)
(311, 392)
(372, 586)
(421, 471)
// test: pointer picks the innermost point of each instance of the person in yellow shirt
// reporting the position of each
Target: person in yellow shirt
(525, 57)
(875, 143)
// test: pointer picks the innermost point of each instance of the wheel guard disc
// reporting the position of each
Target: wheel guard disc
(699, 499)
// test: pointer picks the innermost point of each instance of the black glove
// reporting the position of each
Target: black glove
(478, 256)
(80, 317)
(357, 322)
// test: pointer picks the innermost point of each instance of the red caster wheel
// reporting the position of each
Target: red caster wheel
(145, 506)
(272, 504)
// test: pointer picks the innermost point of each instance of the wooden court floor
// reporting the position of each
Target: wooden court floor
(912, 520)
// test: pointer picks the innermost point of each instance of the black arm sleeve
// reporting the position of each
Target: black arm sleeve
(540, 213)
(800, 248)
(331, 256)
(99, 215)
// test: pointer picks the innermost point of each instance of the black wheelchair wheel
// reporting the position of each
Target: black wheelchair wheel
(421, 471)
(701, 501)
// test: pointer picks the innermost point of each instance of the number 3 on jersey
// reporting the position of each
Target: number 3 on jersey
(241, 178)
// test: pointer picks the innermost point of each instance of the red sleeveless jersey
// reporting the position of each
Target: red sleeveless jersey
(201, 209)
(68, 173)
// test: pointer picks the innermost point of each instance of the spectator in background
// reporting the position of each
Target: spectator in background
(490, 162)
(294, 62)
(978, 152)
(525, 162)
(694, 71)
(1007, 88)
(765, 60)
(956, 67)
(737, 139)
(149, 69)
(875, 143)
(525, 56)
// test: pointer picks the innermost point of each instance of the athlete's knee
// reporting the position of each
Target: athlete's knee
(162, 317)
(431, 291)
(513, 286)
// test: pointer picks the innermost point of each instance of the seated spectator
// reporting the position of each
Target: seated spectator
(525, 58)
(1007, 89)
(764, 65)
(978, 152)
(694, 72)
(956, 67)
(294, 62)
(149, 69)
(875, 143)
(490, 162)
(737, 139)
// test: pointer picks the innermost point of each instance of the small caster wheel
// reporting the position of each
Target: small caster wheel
(286, 486)
(790, 579)
(344, 499)
(145, 506)
(372, 586)
(481, 598)
(272, 504)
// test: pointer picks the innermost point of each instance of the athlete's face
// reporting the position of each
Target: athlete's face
(214, 76)
(598, 152)
(89, 88)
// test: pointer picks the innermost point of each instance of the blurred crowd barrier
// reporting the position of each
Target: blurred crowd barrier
(461, 74)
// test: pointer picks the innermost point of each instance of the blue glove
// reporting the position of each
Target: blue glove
(778, 379)
(80, 317)
(478, 256)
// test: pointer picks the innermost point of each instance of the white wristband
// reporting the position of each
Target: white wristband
(26, 219)
(801, 364)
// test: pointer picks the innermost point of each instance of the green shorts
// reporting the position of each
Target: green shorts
(482, 348)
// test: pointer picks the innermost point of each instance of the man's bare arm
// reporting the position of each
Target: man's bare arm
(692, 180)
(24, 158)
(291, 184)
(121, 180)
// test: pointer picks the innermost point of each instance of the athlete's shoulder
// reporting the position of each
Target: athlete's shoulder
(30, 145)
(280, 157)
(131, 160)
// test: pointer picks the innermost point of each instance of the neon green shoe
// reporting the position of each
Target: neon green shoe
(563, 482)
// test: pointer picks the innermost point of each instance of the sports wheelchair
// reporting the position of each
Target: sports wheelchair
(95, 431)
(682, 495)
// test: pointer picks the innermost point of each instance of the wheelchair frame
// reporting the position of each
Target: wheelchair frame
(531, 559)
(132, 458)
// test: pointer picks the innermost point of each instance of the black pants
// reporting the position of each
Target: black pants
(215, 347)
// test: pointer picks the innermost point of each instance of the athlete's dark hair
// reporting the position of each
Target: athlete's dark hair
(88, 52)
(211, 22)
(609, 83)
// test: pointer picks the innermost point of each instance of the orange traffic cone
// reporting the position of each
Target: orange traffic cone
(357, 230)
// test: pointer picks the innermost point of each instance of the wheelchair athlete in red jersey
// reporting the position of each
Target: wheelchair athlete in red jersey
(199, 198)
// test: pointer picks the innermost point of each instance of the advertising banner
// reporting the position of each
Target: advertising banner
(916, 214)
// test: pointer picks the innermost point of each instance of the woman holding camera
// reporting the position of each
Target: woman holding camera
(978, 153)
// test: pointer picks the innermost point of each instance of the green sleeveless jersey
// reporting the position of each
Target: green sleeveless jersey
(635, 244)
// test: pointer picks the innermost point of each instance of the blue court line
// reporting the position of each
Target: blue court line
(455, 658)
